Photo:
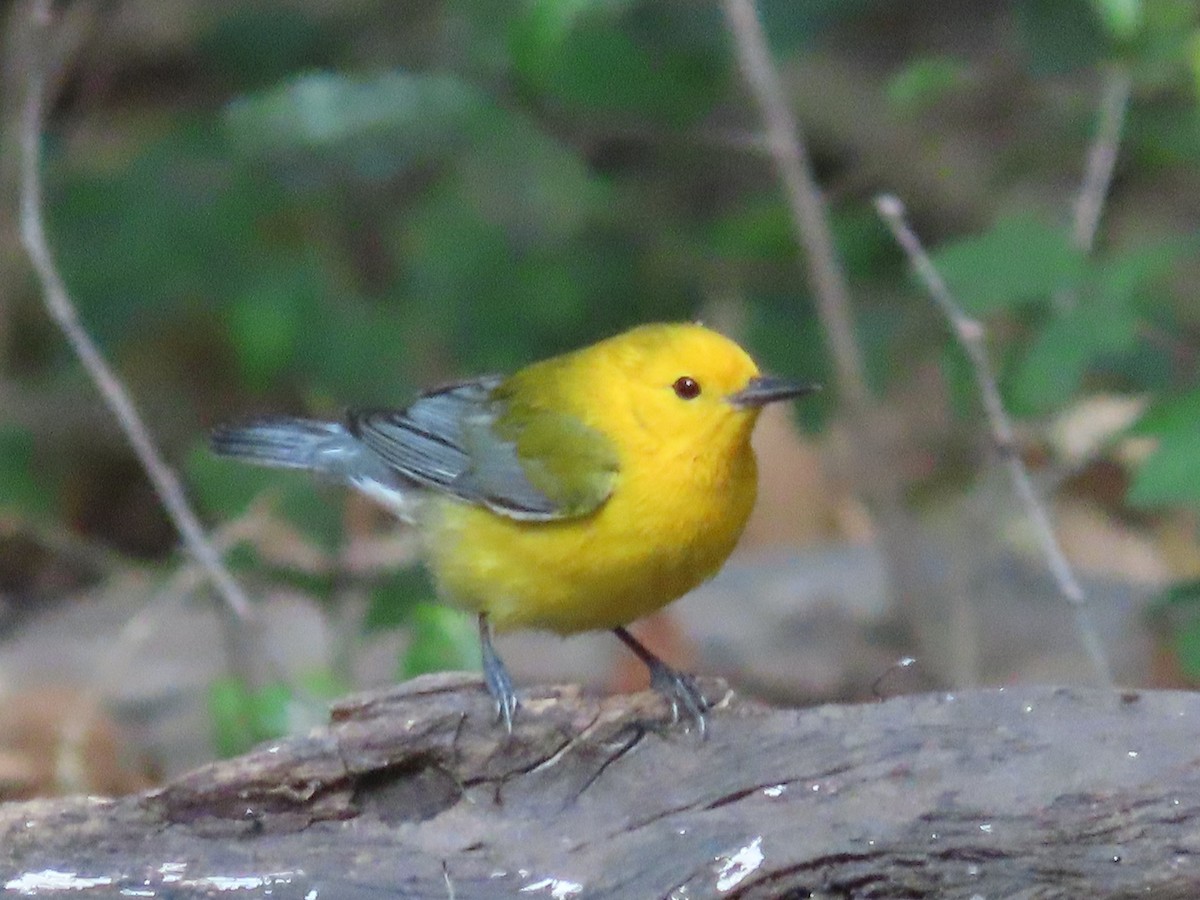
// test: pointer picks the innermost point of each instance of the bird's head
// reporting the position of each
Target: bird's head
(686, 382)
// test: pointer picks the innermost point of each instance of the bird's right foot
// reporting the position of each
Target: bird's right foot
(496, 677)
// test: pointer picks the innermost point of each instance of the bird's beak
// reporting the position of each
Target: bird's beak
(764, 389)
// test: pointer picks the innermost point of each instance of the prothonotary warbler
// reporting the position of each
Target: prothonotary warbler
(583, 492)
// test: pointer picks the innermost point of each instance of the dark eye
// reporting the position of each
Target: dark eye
(686, 388)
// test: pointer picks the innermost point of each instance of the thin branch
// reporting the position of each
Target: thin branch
(970, 334)
(1101, 158)
(786, 145)
(58, 304)
(869, 450)
(1098, 171)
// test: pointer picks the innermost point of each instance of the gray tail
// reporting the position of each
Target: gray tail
(288, 443)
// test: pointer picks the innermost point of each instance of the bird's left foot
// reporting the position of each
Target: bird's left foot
(681, 691)
(683, 694)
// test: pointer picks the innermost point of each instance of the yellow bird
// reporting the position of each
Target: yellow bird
(581, 493)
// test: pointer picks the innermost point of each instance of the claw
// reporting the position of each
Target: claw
(496, 677)
(680, 690)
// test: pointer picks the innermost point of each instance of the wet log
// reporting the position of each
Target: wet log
(414, 792)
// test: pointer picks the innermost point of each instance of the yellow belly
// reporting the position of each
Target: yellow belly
(656, 538)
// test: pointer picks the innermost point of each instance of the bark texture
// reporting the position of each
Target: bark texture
(414, 792)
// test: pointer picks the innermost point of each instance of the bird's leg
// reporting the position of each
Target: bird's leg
(499, 684)
(678, 688)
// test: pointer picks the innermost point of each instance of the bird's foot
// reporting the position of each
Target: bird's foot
(496, 677)
(500, 686)
(683, 694)
(681, 691)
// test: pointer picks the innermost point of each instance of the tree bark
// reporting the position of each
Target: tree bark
(415, 792)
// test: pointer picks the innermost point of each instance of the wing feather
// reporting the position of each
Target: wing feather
(464, 440)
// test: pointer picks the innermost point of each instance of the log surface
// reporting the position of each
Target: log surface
(414, 792)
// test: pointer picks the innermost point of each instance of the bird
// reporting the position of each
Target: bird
(578, 494)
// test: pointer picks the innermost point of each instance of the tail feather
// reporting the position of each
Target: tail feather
(289, 443)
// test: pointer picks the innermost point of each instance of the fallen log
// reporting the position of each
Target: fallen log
(415, 792)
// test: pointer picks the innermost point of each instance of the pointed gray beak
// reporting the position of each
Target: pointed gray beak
(764, 389)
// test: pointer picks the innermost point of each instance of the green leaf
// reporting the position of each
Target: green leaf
(326, 125)
(615, 56)
(20, 488)
(1122, 18)
(540, 35)
(1186, 639)
(242, 717)
(1170, 415)
(1127, 276)
(442, 639)
(1185, 594)
(394, 598)
(266, 321)
(1168, 477)
(1018, 261)
(924, 83)
(1052, 370)
(759, 229)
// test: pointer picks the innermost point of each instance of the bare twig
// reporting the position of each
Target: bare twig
(1098, 170)
(970, 334)
(790, 156)
(871, 445)
(59, 305)
(1101, 158)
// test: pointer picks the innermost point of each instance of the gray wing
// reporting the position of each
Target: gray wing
(444, 441)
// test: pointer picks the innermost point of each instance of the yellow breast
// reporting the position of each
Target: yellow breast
(672, 520)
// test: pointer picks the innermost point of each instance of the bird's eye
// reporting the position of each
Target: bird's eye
(686, 388)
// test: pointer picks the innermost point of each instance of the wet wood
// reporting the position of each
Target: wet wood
(413, 792)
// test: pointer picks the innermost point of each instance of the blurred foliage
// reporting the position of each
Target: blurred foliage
(244, 716)
(293, 206)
